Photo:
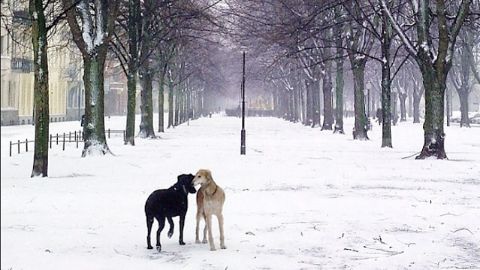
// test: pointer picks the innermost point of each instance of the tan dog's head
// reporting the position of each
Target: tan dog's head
(202, 177)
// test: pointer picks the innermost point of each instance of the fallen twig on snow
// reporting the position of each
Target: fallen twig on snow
(380, 239)
(390, 252)
(449, 214)
(462, 229)
(411, 155)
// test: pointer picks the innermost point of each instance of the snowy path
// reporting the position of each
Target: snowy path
(300, 199)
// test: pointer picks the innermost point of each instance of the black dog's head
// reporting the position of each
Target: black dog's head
(184, 182)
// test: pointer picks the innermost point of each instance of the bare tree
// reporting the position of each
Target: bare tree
(91, 23)
(40, 86)
(462, 75)
(125, 45)
(434, 60)
(359, 43)
(339, 81)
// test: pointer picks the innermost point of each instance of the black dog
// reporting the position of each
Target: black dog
(168, 203)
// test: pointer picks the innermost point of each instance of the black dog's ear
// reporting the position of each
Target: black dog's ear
(185, 177)
(180, 177)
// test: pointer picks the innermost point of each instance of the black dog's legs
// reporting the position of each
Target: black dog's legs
(161, 224)
(170, 231)
(149, 229)
(182, 223)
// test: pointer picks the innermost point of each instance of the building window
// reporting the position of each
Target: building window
(11, 97)
(5, 42)
(2, 46)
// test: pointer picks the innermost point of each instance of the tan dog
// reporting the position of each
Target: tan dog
(210, 199)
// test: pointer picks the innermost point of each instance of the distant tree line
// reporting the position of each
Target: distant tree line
(300, 47)
(421, 47)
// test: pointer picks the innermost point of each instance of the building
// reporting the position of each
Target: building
(65, 85)
(116, 94)
(16, 69)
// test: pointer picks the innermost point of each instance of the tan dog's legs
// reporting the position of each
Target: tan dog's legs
(197, 229)
(209, 229)
(222, 236)
(199, 216)
(204, 241)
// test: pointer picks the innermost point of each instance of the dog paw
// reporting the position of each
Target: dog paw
(170, 233)
(204, 241)
(223, 247)
(181, 243)
(159, 248)
(212, 249)
(149, 247)
(197, 241)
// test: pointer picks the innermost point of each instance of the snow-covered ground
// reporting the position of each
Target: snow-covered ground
(300, 199)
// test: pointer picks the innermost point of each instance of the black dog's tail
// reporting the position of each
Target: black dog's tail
(170, 231)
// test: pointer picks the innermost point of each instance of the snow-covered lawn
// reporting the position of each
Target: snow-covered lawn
(300, 199)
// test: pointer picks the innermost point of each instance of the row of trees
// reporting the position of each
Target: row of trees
(298, 46)
(167, 43)
(404, 41)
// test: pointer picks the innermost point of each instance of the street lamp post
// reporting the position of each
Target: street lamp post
(242, 89)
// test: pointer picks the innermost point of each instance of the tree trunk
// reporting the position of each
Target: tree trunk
(161, 102)
(40, 86)
(195, 104)
(393, 110)
(339, 81)
(464, 120)
(131, 104)
(170, 102)
(416, 106)
(133, 29)
(316, 103)
(146, 106)
(309, 103)
(327, 98)
(386, 87)
(94, 126)
(434, 83)
(293, 105)
(188, 106)
(176, 107)
(277, 106)
(303, 105)
(296, 104)
(202, 103)
(403, 106)
(283, 105)
(410, 104)
(465, 76)
(181, 108)
(360, 129)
